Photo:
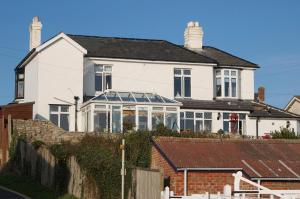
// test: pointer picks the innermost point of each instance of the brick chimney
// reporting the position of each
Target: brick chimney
(261, 94)
(35, 33)
(193, 36)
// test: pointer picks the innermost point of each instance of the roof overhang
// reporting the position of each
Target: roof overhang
(291, 102)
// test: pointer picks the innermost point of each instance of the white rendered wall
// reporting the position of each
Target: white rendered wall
(151, 77)
(31, 83)
(59, 79)
(294, 107)
(247, 84)
(266, 126)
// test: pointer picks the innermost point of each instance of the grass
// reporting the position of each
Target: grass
(29, 187)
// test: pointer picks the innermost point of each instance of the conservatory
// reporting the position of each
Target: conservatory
(116, 111)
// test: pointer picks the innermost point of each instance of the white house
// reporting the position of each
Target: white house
(125, 82)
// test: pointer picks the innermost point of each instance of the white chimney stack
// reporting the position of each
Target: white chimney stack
(193, 36)
(35, 31)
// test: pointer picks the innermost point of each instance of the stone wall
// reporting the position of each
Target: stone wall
(41, 165)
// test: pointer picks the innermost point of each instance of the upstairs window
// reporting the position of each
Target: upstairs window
(182, 83)
(226, 83)
(20, 85)
(103, 79)
(59, 115)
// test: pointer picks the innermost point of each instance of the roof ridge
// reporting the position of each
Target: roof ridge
(107, 37)
(182, 47)
(231, 55)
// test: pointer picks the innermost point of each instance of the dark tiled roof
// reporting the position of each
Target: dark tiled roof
(257, 109)
(257, 158)
(225, 59)
(230, 105)
(141, 49)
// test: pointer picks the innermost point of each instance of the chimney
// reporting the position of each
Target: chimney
(193, 36)
(35, 32)
(261, 94)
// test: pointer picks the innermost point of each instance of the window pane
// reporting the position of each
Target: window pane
(107, 68)
(233, 73)
(242, 116)
(54, 119)
(187, 87)
(64, 109)
(233, 87)
(189, 125)
(218, 72)
(98, 68)
(100, 121)
(177, 71)
(187, 72)
(225, 115)
(177, 86)
(171, 121)
(64, 121)
(181, 114)
(140, 97)
(107, 81)
(199, 115)
(53, 108)
(181, 124)
(157, 118)
(154, 98)
(207, 115)
(112, 96)
(20, 92)
(143, 120)
(189, 114)
(226, 126)
(207, 125)
(126, 96)
(219, 87)
(226, 72)
(116, 119)
(128, 118)
(98, 82)
(199, 126)
(226, 84)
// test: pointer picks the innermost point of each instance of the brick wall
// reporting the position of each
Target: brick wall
(206, 181)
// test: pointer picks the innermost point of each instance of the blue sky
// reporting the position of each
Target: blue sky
(266, 32)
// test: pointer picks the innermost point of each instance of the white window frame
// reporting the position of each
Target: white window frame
(182, 76)
(202, 119)
(244, 122)
(103, 74)
(230, 76)
(59, 113)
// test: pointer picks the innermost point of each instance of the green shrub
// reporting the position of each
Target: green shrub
(37, 144)
(284, 133)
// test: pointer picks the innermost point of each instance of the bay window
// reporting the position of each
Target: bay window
(59, 115)
(182, 83)
(226, 83)
(103, 80)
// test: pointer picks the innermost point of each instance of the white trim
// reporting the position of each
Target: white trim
(150, 61)
(61, 36)
(291, 102)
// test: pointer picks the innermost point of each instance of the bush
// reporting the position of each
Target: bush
(284, 133)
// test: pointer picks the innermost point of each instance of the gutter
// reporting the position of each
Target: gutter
(277, 179)
(209, 169)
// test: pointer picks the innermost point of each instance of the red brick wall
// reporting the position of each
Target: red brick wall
(206, 181)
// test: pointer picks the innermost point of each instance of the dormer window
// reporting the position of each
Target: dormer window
(226, 83)
(103, 80)
(20, 85)
(182, 83)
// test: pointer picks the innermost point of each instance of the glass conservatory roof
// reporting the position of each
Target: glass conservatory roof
(132, 97)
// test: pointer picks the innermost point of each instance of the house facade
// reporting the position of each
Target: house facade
(294, 105)
(107, 84)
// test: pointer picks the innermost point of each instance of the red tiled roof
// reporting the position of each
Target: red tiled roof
(257, 158)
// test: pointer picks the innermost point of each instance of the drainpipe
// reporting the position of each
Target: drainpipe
(257, 120)
(185, 182)
(76, 98)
